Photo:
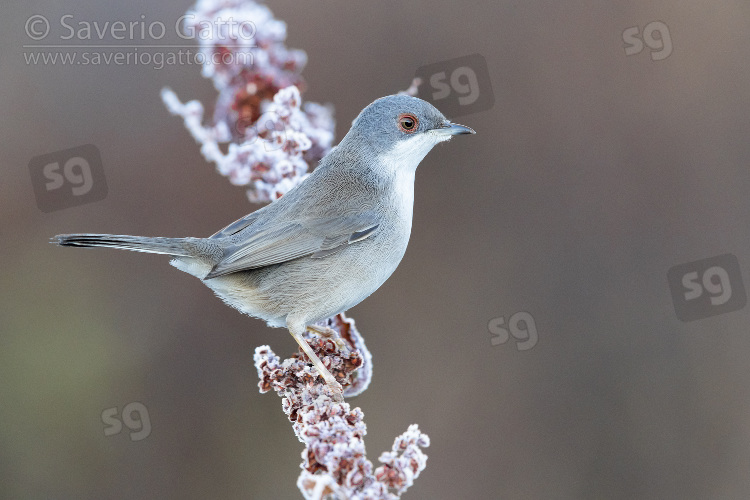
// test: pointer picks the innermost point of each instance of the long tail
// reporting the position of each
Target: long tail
(167, 246)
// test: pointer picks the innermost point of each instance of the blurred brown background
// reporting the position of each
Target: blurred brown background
(592, 175)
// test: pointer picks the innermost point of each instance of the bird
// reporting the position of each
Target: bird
(330, 241)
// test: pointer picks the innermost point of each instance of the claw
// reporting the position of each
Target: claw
(330, 334)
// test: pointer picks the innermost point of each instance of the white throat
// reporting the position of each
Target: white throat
(406, 155)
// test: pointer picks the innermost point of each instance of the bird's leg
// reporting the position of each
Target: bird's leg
(338, 392)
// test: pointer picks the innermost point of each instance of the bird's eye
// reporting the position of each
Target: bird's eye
(408, 123)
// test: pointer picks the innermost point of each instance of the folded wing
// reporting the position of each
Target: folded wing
(280, 242)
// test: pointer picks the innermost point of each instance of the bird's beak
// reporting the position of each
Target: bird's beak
(450, 128)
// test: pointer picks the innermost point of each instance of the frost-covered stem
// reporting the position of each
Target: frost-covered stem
(334, 462)
(262, 136)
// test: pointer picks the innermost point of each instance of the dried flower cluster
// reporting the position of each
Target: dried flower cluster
(334, 462)
(271, 138)
(263, 136)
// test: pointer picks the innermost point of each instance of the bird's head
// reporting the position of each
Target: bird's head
(403, 129)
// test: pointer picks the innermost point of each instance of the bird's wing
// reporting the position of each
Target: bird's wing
(236, 226)
(274, 243)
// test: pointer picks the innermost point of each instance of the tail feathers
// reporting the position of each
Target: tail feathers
(166, 246)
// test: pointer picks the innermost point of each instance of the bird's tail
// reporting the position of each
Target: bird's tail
(167, 246)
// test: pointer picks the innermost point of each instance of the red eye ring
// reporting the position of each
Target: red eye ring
(408, 123)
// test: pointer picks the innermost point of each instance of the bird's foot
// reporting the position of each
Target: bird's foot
(329, 334)
(336, 389)
(330, 380)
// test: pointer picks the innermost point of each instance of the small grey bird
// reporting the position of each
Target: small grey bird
(328, 243)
